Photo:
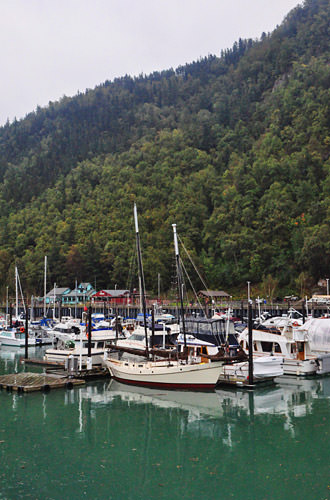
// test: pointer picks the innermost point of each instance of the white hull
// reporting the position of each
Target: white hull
(264, 368)
(60, 355)
(283, 347)
(295, 366)
(300, 368)
(164, 374)
(16, 342)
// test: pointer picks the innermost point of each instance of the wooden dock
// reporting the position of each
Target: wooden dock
(58, 368)
(30, 382)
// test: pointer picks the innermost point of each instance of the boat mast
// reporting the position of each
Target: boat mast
(75, 304)
(16, 291)
(54, 298)
(138, 247)
(6, 307)
(45, 285)
(180, 283)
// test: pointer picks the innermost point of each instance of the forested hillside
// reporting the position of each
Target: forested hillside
(232, 148)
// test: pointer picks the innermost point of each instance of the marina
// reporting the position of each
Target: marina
(86, 442)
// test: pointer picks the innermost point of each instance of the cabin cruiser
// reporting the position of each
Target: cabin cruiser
(292, 318)
(290, 345)
(15, 337)
(76, 348)
(65, 331)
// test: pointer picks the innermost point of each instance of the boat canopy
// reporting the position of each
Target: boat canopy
(212, 330)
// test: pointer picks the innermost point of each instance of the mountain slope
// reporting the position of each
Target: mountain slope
(235, 150)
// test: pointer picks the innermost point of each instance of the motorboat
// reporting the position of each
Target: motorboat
(16, 337)
(76, 348)
(294, 348)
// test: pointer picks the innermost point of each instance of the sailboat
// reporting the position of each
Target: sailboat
(187, 373)
(15, 336)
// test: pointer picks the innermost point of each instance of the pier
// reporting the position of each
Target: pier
(31, 382)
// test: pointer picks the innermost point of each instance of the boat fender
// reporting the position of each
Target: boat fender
(69, 385)
(22, 329)
(46, 388)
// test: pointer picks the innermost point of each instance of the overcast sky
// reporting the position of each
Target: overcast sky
(51, 48)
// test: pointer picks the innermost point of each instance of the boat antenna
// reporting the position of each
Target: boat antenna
(180, 283)
(143, 296)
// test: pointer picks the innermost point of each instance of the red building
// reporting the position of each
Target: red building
(112, 297)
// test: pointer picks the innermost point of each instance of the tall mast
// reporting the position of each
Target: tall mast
(6, 306)
(54, 296)
(180, 282)
(16, 291)
(138, 247)
(45, 285)
(75, 304)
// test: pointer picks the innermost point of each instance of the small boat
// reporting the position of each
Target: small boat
(77, 348)
(16, 338)
(65, 331)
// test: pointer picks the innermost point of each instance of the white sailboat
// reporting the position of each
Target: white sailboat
(167, 373)
(15, 336)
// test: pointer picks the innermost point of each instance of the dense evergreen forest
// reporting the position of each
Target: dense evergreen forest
(232, 148)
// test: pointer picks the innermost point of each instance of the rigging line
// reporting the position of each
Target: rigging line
(20, 287)
(192, 286)
(193, 264)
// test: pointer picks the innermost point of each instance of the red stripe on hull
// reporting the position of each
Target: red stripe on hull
(206, 387)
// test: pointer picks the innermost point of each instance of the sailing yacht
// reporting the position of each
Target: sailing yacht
(187, 373)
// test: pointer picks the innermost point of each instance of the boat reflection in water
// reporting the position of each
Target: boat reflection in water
(10, 358)
(291, 398)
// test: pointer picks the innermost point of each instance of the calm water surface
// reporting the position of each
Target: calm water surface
(110, 441)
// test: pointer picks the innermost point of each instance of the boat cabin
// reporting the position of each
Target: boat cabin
(217, 331)
(266, 343)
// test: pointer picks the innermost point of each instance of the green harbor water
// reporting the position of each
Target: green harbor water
(106, 440)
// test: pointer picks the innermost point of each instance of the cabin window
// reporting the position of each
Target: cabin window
(100, 344)
(204, 328)
(204, 350)
(267, 346)
(277, 347)
(255, 347)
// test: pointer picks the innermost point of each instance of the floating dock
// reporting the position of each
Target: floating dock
(30, 382)
(60, 369)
